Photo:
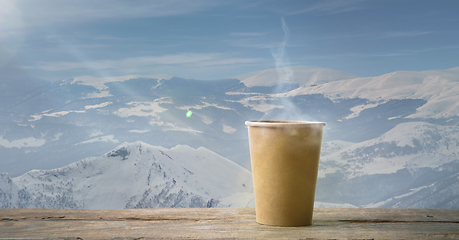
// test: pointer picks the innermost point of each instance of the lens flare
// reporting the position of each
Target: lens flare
(189, 113)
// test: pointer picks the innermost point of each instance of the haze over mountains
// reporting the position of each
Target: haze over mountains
(390, 140)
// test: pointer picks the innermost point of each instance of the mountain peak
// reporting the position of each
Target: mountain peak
(143, 176)
(301, 75)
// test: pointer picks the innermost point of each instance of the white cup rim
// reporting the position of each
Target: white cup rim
(283, 123)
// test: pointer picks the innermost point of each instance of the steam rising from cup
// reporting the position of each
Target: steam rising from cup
(285, 77)
(284, 72)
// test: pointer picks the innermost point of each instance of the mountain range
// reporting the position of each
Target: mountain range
(390, 140)
(135, 175)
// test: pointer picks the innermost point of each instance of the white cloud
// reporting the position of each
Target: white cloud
(53, 11)
(248, 34)
(252, 40)
(398, 34)
(136, 63)
(252, 43)
(407, 52)
(330, 7)
(229, 61)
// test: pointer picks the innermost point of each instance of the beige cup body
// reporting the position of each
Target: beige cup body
(285, 162)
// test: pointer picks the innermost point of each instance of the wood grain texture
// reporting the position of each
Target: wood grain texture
(225, 224)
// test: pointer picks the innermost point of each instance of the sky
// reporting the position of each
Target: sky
(216, 39)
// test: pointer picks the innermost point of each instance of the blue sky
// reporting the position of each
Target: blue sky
(211, 39)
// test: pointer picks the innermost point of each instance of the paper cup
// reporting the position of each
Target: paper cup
(285, 162)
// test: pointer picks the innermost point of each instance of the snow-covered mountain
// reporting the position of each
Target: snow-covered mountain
(439, 88)
(135, 175)
(384, 133)
(411, 145)
(299, 75)
(431, 188)
(413, 165)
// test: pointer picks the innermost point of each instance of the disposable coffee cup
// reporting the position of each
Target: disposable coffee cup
(285, 163)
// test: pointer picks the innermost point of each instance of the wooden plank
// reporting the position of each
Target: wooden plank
(226, 224)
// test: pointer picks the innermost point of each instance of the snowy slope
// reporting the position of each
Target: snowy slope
(100, 82)
(431, 191)
(410, 145)
(439, 88)
(301, 75)
(135, 175)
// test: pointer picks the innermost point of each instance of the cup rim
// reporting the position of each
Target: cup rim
(282, 123)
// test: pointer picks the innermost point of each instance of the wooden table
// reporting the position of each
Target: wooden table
(225, 224)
